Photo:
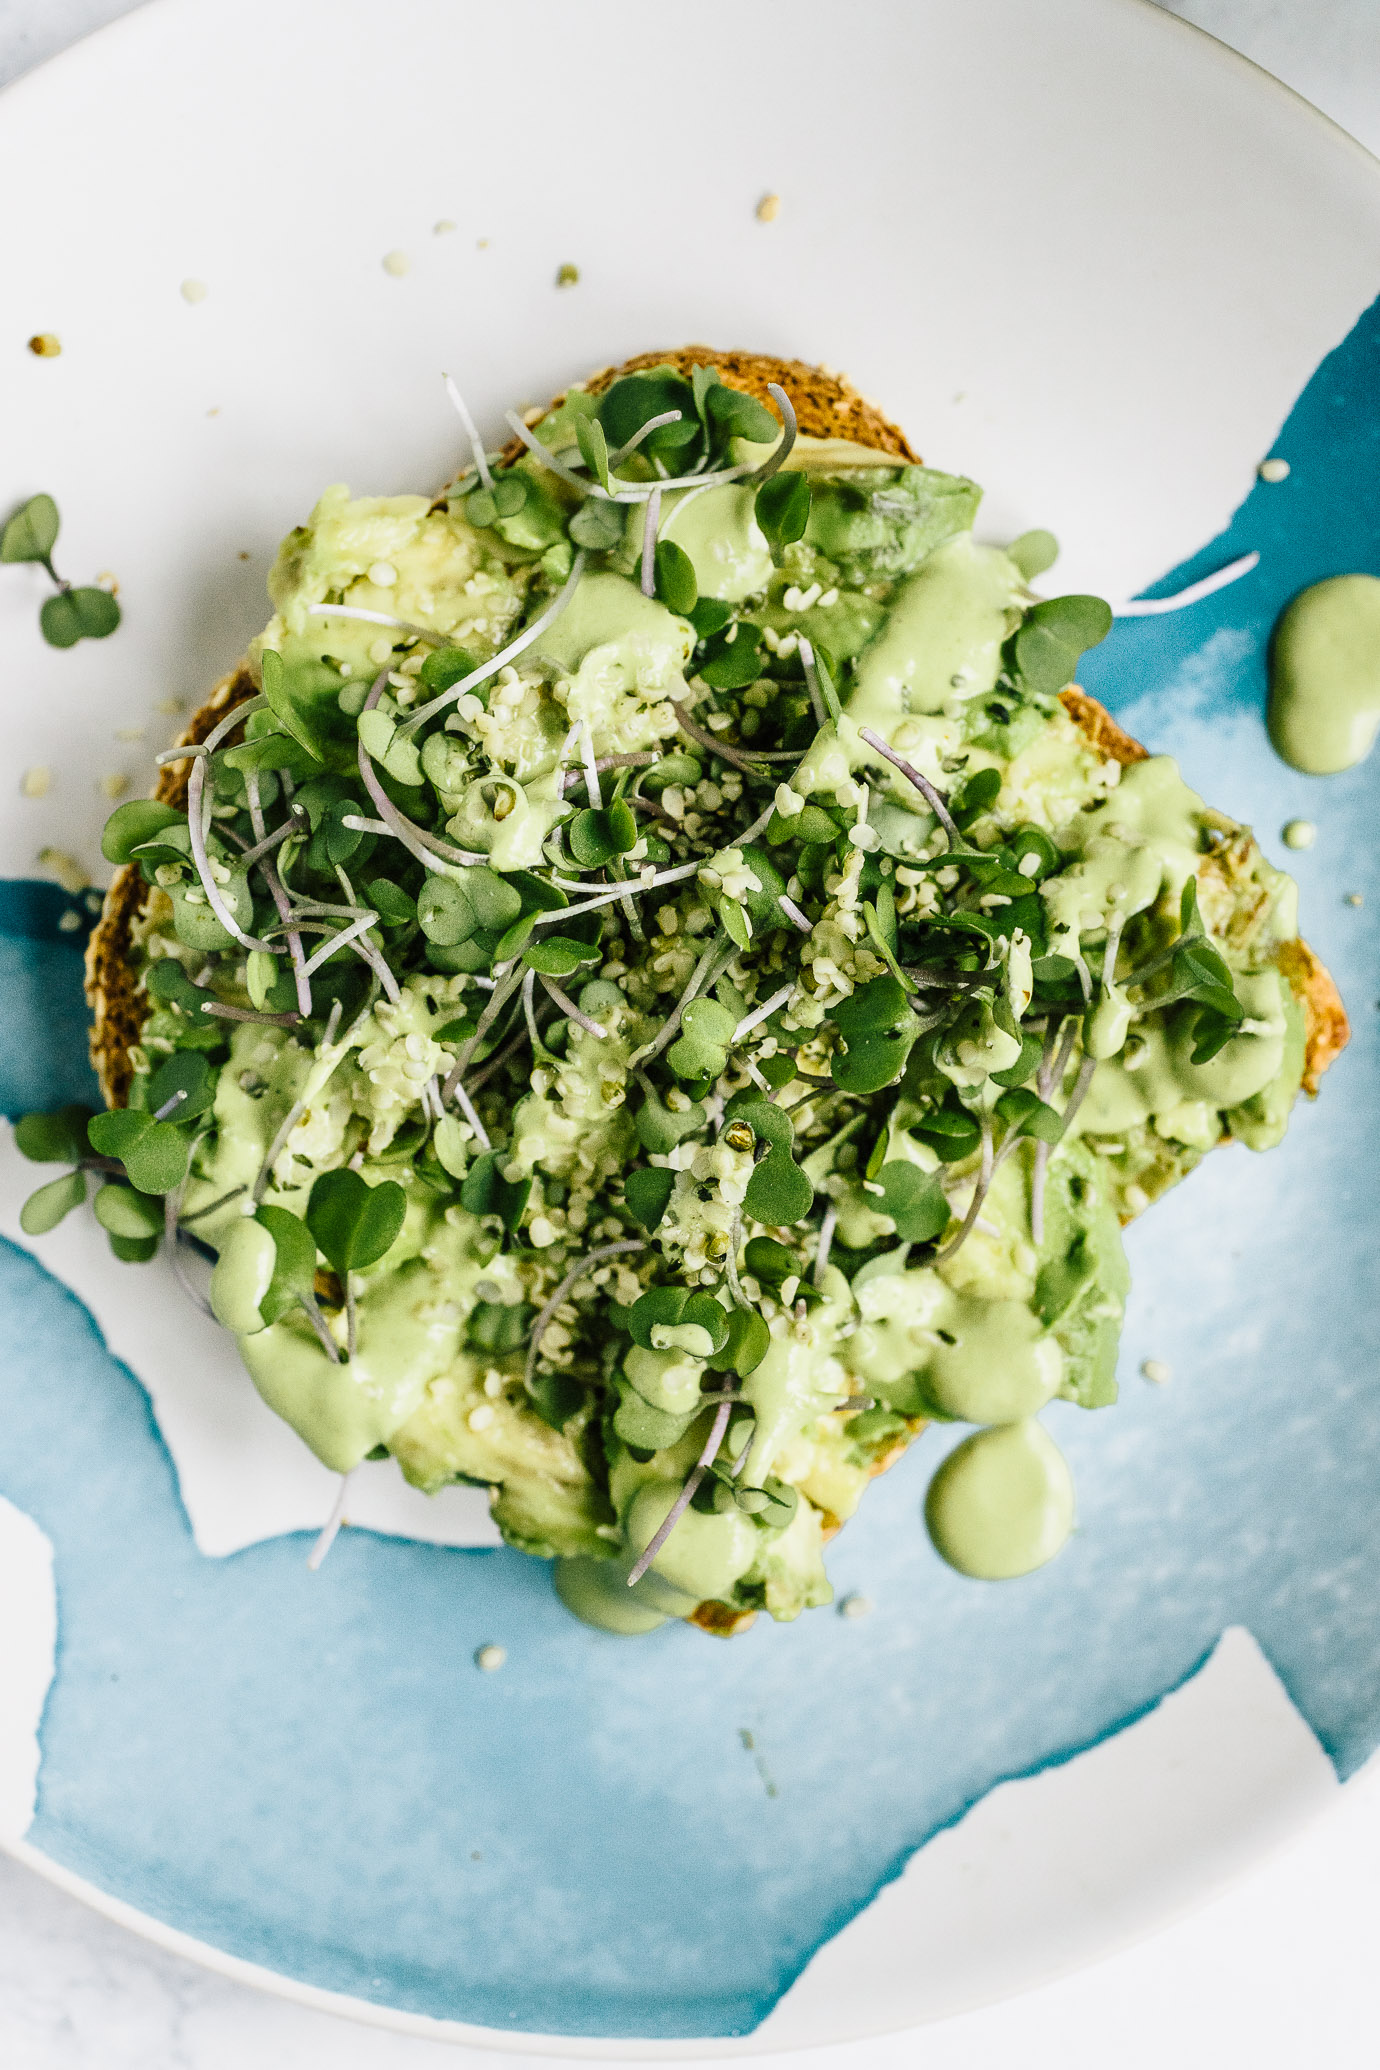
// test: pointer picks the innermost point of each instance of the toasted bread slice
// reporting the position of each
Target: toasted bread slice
(826, 406)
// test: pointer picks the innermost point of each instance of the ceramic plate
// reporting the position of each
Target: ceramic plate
(1092, 259)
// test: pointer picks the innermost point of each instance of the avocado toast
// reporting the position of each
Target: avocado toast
(754, 988)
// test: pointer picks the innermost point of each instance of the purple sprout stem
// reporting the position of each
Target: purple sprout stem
(922, 783)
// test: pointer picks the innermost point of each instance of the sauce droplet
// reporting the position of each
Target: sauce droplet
(1300, 833)
(1325, 675)
(1002, 1502)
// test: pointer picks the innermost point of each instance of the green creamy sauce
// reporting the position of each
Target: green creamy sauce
(1325, 675)
(988, 1339)
(1002, 1503)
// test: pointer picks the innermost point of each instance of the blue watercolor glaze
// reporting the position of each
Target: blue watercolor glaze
(309, 1772)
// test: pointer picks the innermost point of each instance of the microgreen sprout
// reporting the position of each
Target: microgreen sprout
(481, 460)
(922, 783)
(1207, 586)
(72, 614)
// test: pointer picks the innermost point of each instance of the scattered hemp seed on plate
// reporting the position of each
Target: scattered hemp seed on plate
(115, 784)
(396, 263)
(36, 782)
(443, 228)
(490, 1658)
(855, 1606)
(769, 208)
(1355, 898)
(1273, 470)
(45, 345)
(1156, 1371)
(194, 291)
(1299, 833)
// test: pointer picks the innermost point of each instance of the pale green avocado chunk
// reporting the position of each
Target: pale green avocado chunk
(881, 1216)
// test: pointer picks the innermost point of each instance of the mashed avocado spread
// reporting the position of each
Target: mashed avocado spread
(657, 1000)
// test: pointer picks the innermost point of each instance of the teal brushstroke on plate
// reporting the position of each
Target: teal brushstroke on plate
(308, 1770)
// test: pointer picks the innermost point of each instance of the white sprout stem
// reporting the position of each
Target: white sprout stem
(571, 1010)
(481, 458)
(1114, 933)
(498, 999)
(686, 1495)
(826, 1243)
(641, 760)
(221, 1012)
(1079, 1093)
(196, 825)
(504, 656)
(361, 825)
(266, 842)
(759, 825)
(351, 1318)
(338, 941)
(1151, 607)
(651, 520)
(331, 1530)
(328, 1057)
(596, 796)
(922, 783)
(357, 611)
(619, 891)
(170, 1106)
(278, 893)
(807, 662)
(470, 1112)
(794, 914)
(529, 985)
(735, 1238)
(256, 810)
(200, 1214)
(631, 445)
(984, 1180)
(686, 500)
(761, 1013)
(778, 457)
(312, 1312)
(625, 492)
(576, 1272)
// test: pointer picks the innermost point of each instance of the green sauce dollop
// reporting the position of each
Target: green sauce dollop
(1325, 675)
(1002, 1502)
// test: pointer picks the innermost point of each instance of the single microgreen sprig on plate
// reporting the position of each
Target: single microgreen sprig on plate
(89, 613)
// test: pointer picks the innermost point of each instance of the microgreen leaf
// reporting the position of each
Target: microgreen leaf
(168, 982)
(556, 955)
(444, 912)
(78, 614)
(647, 1190)
(730, 659)
(1028, 841)
(1025, 1114)
(746, 1345)
(288, 694)
(294, 1270)
(710, 615)
(734, 414)
(952, 1132)
(1212, 1031)
(187, 1072)
(498, 1328)
(58, 1138)
(1047, 647)
(701, 1051)
(660, 1128)
(782, 505)
(133, 1250)
(772, 1265)
(674, 1308)
(127, 1214)
(878, 1029)
(158, 1160)
(675, 578)
(598, 526)
(915, 1200)
(778, 1193)
(628, 403)
(354, 1223)
(443, 667)
(1025, 1066)
(597, 834)
(1033, 552)
(43, 1210)
(978, 795)
(394, 906)
(594, 447)
(31, 534)
(702, 380)
(487, 1192)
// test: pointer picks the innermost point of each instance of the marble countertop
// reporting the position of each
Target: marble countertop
(1278, 1971)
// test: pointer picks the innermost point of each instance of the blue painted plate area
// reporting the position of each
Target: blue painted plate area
(309, 1771)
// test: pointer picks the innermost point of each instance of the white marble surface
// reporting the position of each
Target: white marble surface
(1278, 1972)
